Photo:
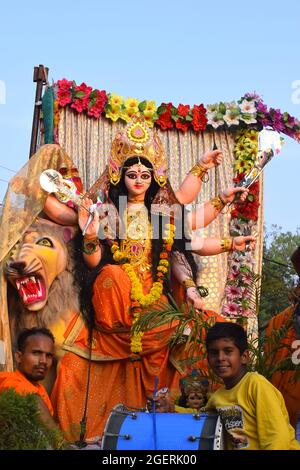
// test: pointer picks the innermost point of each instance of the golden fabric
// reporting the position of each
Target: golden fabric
(23, 201)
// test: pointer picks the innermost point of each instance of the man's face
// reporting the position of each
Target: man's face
(36, 358)
(226, 361)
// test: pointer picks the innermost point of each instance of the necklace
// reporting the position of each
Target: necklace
(138, 298)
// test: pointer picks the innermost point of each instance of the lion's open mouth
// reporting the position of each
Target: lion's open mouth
(31, 289)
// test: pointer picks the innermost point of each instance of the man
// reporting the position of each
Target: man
(34, 357)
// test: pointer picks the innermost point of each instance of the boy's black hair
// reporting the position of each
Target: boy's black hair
(232, 331)
(27, 332)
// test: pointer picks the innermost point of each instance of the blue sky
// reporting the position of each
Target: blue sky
(168, 50)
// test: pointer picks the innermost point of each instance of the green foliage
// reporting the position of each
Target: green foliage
(277, 280)
(191, 330)
(20, 424)
(263, 353)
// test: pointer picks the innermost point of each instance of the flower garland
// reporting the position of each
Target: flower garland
(138, 298)
(248, 111)
(237, 301)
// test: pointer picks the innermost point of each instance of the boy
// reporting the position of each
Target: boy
(251, 408)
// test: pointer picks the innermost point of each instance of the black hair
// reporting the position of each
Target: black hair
(232, 331)
(27, 332)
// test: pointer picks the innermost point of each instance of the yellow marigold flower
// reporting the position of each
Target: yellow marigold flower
(114, 115)
(164, 262)
(127, 114)
(132, 103)
(242, 166)
(115, 101)
(149, 121)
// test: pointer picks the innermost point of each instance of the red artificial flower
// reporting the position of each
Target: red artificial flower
(81, 97)
(183, 110)
(182, 125)
(64, 94)
(249, 208)
(199, 120)
(97, 104)
(165, 121)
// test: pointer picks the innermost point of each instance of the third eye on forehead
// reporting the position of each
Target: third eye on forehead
(145, 175)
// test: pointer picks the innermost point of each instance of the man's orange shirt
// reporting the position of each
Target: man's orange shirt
(22, 386)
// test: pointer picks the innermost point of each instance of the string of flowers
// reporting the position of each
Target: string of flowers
(247, 111)
(139, 300)
(238, 294)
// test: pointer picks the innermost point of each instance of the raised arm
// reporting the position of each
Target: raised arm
(91, 244)
(204, 214)
(215, 246)
(59, 212)
(191, 185)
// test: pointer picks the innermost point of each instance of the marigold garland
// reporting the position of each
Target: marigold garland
(138, 298)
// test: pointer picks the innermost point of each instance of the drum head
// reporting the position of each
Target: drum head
(126, 430)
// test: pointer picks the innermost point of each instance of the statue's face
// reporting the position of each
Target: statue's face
(137, 180)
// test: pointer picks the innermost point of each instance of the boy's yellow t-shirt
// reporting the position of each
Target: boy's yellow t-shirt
(254, 415)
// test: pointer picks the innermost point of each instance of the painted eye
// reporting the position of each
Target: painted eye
(45, 242)
(146, 176)
(132, 176)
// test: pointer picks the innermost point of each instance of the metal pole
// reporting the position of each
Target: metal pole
(40, 75)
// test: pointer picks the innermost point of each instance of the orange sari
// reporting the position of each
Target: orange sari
(116, 374)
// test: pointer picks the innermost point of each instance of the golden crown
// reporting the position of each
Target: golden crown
(137, 140)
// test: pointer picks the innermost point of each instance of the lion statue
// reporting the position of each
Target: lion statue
(41, 290)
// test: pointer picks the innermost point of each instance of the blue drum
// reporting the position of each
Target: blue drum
(129, 430)
(298, 429)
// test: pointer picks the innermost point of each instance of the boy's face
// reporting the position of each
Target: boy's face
(226, 361)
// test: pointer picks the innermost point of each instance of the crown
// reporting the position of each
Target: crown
(137, 140)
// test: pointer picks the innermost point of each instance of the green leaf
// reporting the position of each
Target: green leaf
(79, 94)
(222, 108)
(161, 109)
(142, 105)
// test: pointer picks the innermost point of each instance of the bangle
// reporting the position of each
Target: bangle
(200, 172)
(90, 246)
(188, 283)
(226, 244)
(218, 203)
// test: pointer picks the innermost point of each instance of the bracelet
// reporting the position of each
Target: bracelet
(226, 244)
(90, 246)
(188, 283)
(218, 203)
(200, 172)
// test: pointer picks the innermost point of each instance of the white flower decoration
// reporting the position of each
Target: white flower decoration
(247, 107)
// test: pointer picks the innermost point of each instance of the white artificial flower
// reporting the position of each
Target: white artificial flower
(248, 118)
(213, 121)
(231, 118)
(247, 107)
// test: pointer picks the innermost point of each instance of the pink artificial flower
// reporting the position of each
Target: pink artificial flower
(233, 291)
(231, 309)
